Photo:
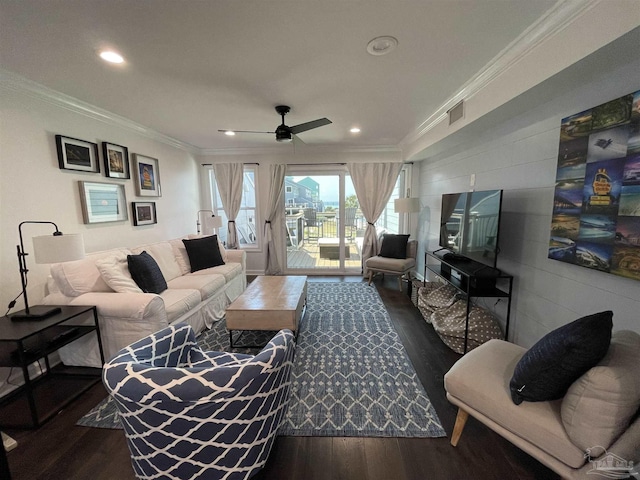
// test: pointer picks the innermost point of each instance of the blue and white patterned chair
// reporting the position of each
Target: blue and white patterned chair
(192, 414)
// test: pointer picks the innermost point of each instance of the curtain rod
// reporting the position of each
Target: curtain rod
(312, 164)
(211, 164)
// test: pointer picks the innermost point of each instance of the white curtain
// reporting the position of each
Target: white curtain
(229, 177)
(374, 184)
(273, 237)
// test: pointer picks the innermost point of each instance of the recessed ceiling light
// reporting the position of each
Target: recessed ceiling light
(382, 45)
(355, 130)
(231, 133)
(111, 56)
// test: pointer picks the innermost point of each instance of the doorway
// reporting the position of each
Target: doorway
(324, 223)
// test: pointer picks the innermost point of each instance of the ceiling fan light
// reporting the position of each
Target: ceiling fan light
(111, 56)
(283, 137)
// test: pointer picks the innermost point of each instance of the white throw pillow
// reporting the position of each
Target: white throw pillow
(115, 272)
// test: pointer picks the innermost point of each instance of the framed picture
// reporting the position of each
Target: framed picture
(144, 213)
(102, 202)
(75, 154)
(147, 176)
(116, 160)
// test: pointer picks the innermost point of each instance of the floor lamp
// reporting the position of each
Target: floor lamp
(55, 248)
(212, 222)
(407, 205)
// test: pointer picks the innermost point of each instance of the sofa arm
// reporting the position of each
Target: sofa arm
(238, 256)
(123, 318)
(130, 306)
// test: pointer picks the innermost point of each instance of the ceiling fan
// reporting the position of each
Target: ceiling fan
(285, 133)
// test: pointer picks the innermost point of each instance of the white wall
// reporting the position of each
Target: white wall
(32, 187)
(520, 157)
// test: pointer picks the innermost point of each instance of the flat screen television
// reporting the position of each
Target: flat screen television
(470, 223)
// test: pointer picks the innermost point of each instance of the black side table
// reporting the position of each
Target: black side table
(25, 342)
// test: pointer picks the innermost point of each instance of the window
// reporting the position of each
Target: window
(247, 221)
(389, 221)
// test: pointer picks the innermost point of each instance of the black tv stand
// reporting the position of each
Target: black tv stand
(472, 279)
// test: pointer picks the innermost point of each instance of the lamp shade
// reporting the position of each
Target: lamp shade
(213, 221)
(406, 205)
(58, 248)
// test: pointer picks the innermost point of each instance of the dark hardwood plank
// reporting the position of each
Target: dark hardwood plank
(60, 449)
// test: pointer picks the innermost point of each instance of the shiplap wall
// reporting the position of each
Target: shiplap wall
(520, 157)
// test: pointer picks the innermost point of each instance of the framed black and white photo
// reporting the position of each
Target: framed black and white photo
(116, 160)
(147, 176)
(144, 213)
(76, 154)
(102, 202)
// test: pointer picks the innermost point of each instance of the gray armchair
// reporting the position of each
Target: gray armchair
(393, 265)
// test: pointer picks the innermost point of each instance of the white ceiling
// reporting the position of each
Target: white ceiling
(193, 67)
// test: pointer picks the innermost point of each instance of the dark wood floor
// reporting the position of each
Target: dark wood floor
(62, 450)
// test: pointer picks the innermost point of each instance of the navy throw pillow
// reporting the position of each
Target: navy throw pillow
(394, 246)
(547, 370)
(146, 273)
(203, 252)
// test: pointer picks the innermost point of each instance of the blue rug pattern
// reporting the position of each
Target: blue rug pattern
(351, 377)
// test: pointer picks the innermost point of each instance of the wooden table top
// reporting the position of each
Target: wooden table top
(271, 293)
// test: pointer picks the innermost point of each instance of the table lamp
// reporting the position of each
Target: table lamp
(210, 222)
(53, 248)
(407, 205)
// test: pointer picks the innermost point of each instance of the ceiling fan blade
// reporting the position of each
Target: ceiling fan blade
(303, 127)
(241, 131)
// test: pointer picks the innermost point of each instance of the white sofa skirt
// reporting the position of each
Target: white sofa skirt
(84, 352)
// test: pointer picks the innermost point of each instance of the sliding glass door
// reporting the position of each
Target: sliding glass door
(324, 223)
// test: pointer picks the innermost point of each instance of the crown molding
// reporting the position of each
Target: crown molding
(14, 82)
(290, 150)
(563, 13)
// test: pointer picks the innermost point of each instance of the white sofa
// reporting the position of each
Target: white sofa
(198, 298)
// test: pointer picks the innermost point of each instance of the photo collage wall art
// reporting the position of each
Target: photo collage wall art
(596, 210)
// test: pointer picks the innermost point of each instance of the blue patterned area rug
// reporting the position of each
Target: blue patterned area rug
(351, 377)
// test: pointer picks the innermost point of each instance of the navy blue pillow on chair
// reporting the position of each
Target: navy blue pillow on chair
(394, 246)
(146, 273)
(203, 252)
(547, 370)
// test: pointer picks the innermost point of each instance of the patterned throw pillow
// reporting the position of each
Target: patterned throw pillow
(146, 273)
(548, 369)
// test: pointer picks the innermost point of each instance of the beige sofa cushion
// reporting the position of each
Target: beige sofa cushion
(115, 272)
(207, 285)
(599, 406)
(163, 254)
(182, 257)
(82, 276)
(178, 302)
(229, 270)
(480, 380)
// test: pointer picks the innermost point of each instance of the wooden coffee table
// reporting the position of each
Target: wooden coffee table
(268, 303)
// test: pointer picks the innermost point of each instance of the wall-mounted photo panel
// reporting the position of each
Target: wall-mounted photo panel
(102, 202)
(116, 160)
(76, 154)
(144, 213)
(147, 176)
(596, 211)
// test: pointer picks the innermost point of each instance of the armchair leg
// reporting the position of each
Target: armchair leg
(400, 282)
(461, 419)
(370, 276)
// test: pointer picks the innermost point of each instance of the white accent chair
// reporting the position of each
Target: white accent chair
(393, 266)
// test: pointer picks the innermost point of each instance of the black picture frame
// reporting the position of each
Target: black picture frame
(116, 160)
(143, 213)
(78, 155)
